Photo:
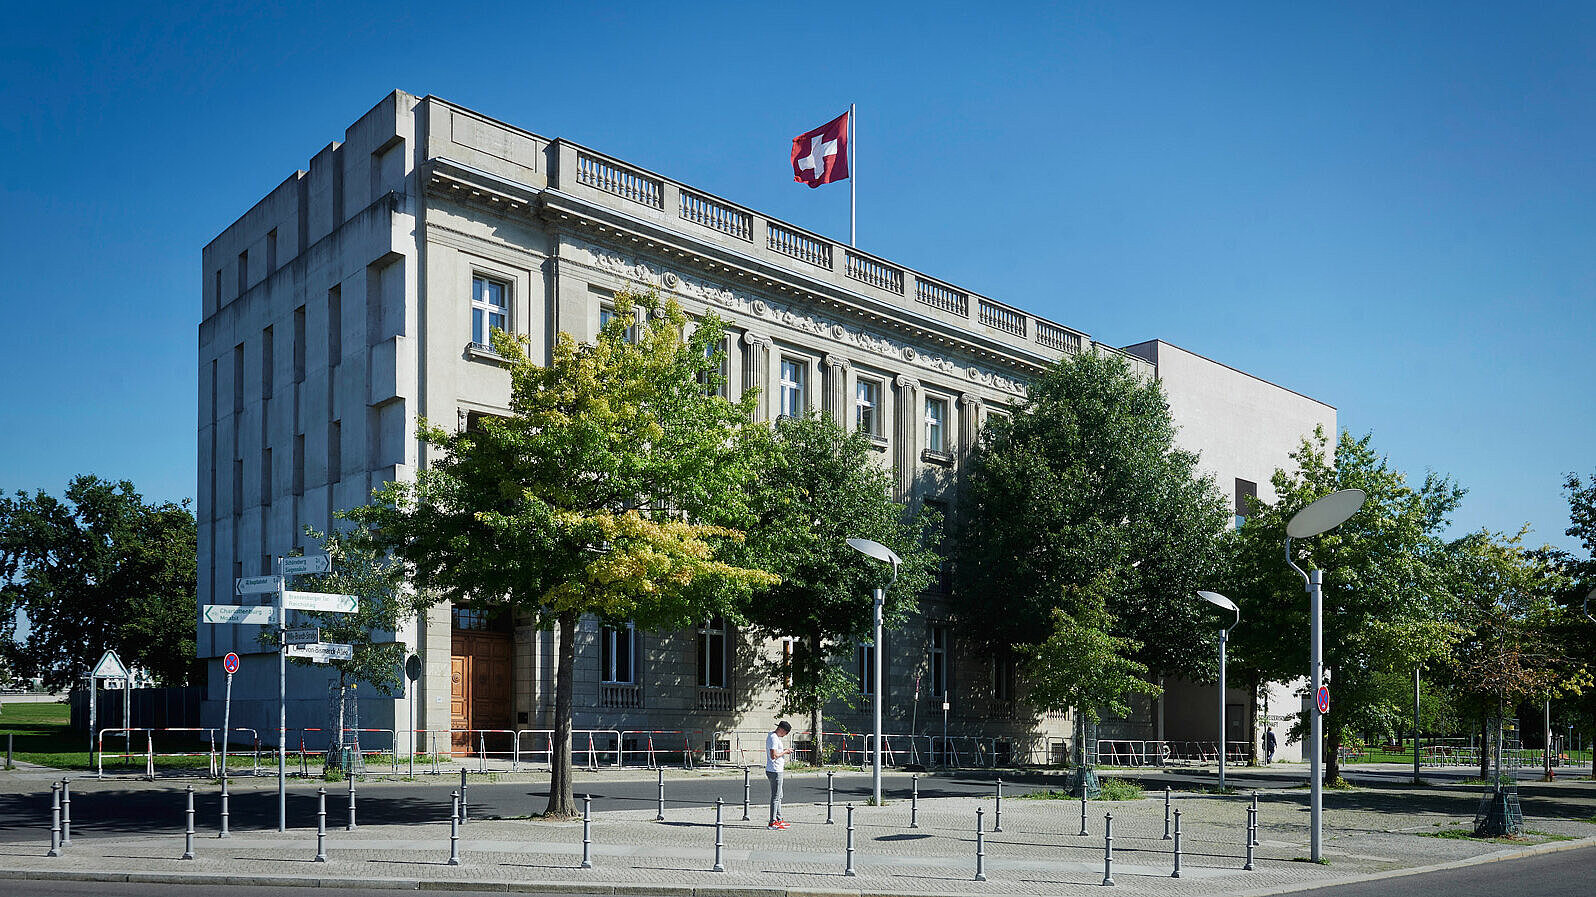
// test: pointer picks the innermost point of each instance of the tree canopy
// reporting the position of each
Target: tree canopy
(98, 569)
(1080, 516)
(591, 495)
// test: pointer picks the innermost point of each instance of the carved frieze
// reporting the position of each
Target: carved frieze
(655, 275)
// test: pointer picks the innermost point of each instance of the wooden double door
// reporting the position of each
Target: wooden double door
(479, 691)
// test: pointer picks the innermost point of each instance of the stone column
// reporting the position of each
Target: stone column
(756, 371)
(907, 424)
(836, 394)
(970, 409)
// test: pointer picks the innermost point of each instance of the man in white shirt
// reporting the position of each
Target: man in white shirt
(775, 764)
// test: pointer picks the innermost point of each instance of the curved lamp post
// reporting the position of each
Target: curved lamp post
(1219, 600)
(1586, 608)
(876, 551)
(1321, 516)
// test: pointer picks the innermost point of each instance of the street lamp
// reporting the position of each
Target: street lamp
(1219, 600)
(879, 552)
(1321, 516)
(1588, 616)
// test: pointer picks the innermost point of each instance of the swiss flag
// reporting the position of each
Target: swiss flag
(821, 156)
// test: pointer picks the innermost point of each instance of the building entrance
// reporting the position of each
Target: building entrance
(479, 683)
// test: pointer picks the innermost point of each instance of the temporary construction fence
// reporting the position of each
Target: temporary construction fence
(1123, 752)
(173, 747)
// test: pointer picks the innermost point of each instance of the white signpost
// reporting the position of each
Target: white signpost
(110, 667)
(303, 642)
(230, 666)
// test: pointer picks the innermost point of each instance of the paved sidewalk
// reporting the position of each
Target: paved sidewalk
(1039, 851)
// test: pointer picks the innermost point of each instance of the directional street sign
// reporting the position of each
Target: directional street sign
(310, 563)
(232, 613)
(322, 652)
(110, 667)
(324, 602)
(257, 585)
(310, 635)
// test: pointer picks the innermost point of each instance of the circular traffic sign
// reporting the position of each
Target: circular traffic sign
(413, 668)
(230, 663)
(1324, 699)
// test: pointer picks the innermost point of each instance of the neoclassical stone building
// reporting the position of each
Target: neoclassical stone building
(356, 299)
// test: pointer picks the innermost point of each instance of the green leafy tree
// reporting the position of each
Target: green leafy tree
(818, 487)
(1082, 664)
(589, 497)
(1083, 497)
(1579, 574)
(95, 570)
(1387, 606)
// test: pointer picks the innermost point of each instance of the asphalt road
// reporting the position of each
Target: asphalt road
(104, 808)
(1562, 874)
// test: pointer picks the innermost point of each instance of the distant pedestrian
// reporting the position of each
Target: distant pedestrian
(775, 766)
(1269, 746)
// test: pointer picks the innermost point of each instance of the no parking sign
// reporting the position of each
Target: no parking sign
(230, 663)
(1324, 699)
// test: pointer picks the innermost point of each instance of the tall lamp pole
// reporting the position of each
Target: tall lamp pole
(1219, 600)
(877, 551)
(1590, 617)
(1321, 516)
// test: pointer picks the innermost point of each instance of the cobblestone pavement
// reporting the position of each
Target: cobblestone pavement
(1369, 831)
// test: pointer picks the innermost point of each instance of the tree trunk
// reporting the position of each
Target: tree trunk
(1485, 753)
(1332, 751)
(562, 801)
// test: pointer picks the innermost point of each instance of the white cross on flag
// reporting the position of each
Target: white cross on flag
(821, 156)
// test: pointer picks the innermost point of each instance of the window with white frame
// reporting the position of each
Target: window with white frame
(618, 654)
(867, 406)
(1003, 677)
(490, 308)
(936, 424)
(792, 387)
(713, 378)
(712, 659)
(939, 661)
(865, 668)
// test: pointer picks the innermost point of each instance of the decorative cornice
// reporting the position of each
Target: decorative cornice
(654, 275)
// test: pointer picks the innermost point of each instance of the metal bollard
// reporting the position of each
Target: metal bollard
(659, 815)
(587, 832)
(1177, 846)
(482, 753)
(1254, 838)
(1166, 812)
(829, 793)
(454, 830)
(351, 826)
(1108, 848)
(55, 820)
(914, 802)
(997, 815)
(980, 847)
(719, 842)
(1083, 809)
(462, 813)
(224, 833)
(66, 812)
(849, 870)
(745, 794)
(1250, 843)
(188, 834)
(321, 825)
(8, 750)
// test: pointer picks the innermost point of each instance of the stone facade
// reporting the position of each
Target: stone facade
(346, 306)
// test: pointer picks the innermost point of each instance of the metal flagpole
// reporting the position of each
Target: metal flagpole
(853, 179)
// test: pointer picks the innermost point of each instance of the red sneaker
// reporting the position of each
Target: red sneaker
(781, 824)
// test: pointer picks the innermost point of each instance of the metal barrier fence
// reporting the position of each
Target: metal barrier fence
(211, 753)
(305, 750)
(1122, 752)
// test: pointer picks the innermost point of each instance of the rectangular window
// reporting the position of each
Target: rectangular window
(712, 654)
(936, 417)
(266, 477)
(299, 464)
(617, 653)
(865, 668)
(243, 272)
(299, 344)
(238, 381)
(266, 353)
(1246, 495)
(335, 451)
(1003, 678)
(792, 387)
(218, 287)
(490, 308)
(867, 406)
(939, 661)
(271, 250)
(238, 485)
(335, 325)
(714, 379)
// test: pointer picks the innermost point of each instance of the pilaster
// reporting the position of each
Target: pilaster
(907, 424)
(756, 371)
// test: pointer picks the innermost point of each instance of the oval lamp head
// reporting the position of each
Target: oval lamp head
(1325, 514)
(873, 549)
(1220, 600)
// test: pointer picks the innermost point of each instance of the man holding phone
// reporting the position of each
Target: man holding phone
(775, 766)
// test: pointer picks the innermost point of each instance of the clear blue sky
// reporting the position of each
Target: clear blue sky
(1390, 209)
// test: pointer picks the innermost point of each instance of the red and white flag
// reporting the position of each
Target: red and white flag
(821, 156)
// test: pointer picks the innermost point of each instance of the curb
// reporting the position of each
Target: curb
(660, 890)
